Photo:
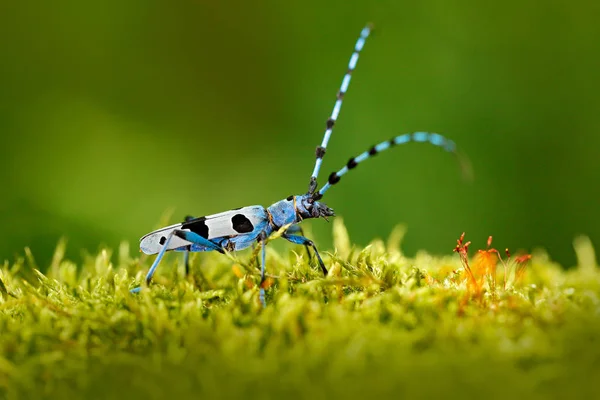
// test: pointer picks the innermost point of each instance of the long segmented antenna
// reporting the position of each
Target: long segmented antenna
(432, 138)
(338, 105)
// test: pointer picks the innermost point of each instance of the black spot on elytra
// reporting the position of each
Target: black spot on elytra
(197, 226)
(333, 178)
(162, 240)
(290, 198)
(320, 152)
(372, 151)
(241, 224)
(351, 163)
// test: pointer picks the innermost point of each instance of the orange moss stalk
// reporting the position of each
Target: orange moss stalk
(485, 266)
(520, 266)
(463, 251)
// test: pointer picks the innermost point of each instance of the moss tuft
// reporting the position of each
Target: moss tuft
(381, 324)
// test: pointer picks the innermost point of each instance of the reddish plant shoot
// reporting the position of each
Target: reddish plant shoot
(485, 264)
(521, 264)
(463, 251)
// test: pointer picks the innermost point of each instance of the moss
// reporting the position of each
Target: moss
(381, 324)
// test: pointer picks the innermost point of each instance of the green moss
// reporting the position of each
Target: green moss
(380, 324)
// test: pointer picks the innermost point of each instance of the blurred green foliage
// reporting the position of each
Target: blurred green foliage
(113, 112)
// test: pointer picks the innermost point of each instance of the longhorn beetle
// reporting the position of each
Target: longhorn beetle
(240, 228)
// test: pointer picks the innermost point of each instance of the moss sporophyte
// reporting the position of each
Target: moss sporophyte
(380, 324)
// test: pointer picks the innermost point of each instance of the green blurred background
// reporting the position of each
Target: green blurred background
(113, 112)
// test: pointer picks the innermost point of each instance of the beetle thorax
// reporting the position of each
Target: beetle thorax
(282, 213)
(294, 209)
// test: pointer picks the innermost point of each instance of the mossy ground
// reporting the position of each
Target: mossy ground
(380, 324)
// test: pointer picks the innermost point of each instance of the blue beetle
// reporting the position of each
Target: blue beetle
(240, 228)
